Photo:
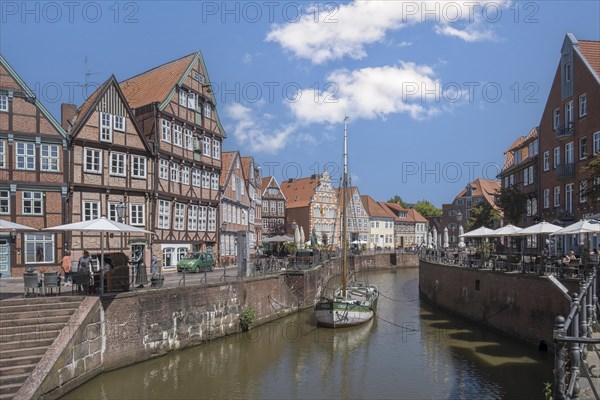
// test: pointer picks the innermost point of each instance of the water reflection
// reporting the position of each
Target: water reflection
(410, 351)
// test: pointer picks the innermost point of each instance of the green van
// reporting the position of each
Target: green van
(197, 262)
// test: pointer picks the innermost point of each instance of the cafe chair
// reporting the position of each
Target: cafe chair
(32, 285)
(51, 281)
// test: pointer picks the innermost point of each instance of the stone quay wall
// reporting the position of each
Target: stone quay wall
(522, 306)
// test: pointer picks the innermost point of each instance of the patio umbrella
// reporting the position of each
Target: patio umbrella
(435, 236)
(461, 233)
(540, 229)
(278, 239)
(479, 232)
(302, 237)
(10, 226)
(297, 238)
(445, 237)
(101, 224)
(313, 238)
(583, 226)
(507, 230)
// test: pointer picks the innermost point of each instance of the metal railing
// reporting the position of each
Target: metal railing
(573, 339)
(565, 170)
(565, 131)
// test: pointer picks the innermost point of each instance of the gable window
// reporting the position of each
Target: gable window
(546, 161)
(556, 196)
(207, 110)
(206, 146)
(568, 72)
(3, 103)
(185, 175)
(119, 123)
(164, 214)
(92, 161)
(39, 248)
(556, 118)
(192, 218)
(597, 142)
(582, 148)
(105, 127)
(90, 210)
(25, 153)
(166, 131)
(177, 135)
(49, 157)
(179, 215)
(216, 149)
(2, 154)
(138, 166)
(188, 140)
(556, 157)
(4, 202)
(546, 198)
(117, 164)
(191, 101)
(163, 169)
(174, 172)
(583, 105)
(182, 97)
(137, 214)
(569, 114)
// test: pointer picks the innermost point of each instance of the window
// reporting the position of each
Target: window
(569, 198)
(113, 215)
(33, 203)
(569, 156)
(207, 110)
(533, 148)
(179, 223)
(206, 146)
(138, 166)
(119, 123)
(4, 202)
(216, 149)
(117, 164)
(546, 198)
(164, 213)
(90, 210)
(185, 175)
(546, 161)
(177, 135)
(163, 169)
(556, 157)
(583, 105)
(280, 207)
(569, 114)
(25, 156)
(206, 179)
(2, 154)
(202, 219)
(212, 219)
(3, 103)
(92, 161)
(191, 101)
(192, 218)
(166, 131)
(582, 148)
(214, 181)
(265, 206)
(556, 196)
(188, 140)
(49, 157)
(597, 142)
(106, 127)
(39, 248)
(196, 177)
(137, 214)
(582, 189)
(182, 97)
(174, 172)
(568, 72)
(517, 157)
(556, 118)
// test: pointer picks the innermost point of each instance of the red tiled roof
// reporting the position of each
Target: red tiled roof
(155, 85)
(483, 187)
(299, 191)
(415, 216)
(394, 206)
(591, 51)
(265, 181)
(226, 160)
(374, 209)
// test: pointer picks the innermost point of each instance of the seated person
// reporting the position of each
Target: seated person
(570, 256)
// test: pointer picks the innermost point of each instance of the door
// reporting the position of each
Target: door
(5, 257)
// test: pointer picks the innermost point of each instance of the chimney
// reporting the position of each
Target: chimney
(290, 180)
(67, 113)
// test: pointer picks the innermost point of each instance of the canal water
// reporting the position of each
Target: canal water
(409, 351)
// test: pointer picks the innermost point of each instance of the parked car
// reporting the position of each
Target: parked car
(197, 262)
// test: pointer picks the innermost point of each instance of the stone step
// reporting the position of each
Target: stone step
(33, 314)
(39, 300)
(6, 309)
(24, 352)
(12, 379)
(24, 360)
(39, 322)
(17, 369)
(9, 391)
(29, 332)
(26, 343)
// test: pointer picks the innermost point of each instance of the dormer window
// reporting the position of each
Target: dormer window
(470, 189)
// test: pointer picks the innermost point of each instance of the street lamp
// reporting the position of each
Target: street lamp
(459, 217)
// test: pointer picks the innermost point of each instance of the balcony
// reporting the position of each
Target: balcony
(563, 132)
(565, 171)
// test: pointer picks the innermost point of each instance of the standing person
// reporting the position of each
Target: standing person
(141, 276)
(154, 264)
(66, 267)
(84, 262)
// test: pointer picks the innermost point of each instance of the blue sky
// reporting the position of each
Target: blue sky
(435, 91)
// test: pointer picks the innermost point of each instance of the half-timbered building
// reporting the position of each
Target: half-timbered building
(253, 183)
(33, 183)
(176, 109)
(273, 207)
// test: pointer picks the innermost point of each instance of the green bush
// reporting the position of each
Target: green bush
(247, 317)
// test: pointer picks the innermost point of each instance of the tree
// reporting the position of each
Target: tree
(427, 209)
(513, 204)
(398, 200)
(483, 214)
(592, 191)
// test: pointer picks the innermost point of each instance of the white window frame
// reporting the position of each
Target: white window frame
(177, 135)
(185, 174)
(183, 97)
(119, 123)
(36, 244)
(556, 118)
(174, 172)
(118, 161)
(49, 157)
(546, 198)
(137, 214)
(196, 177)
(596, 142)
(2, 154)
(556, 157)
(4, 202)
(202, 218)
(25, 156)
(192, 100)
(569, 191)
(138, 166)
(32, 203)
(90, 209)
(4, 103)
(205, 180)
(583, 105)
(582, 190)
(207, 110)
(568, 72)
(569, 153)
(164, 214)
(112, 211)
(192, 217)
(166, 131)
(188, 139)
(179, 217)
(212, 219)
(216, 149)
(583, 152)
(214, 181)
(569, 114)
(546, 161)
(95, 158)
(163, 169)
(106, 127)
(206, 146)
(557, 196)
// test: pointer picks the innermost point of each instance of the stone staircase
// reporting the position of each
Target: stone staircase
(28, 327)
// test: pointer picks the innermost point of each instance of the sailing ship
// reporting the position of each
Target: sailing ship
(353, 303)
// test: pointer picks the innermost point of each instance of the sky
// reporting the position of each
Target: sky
(435, 92)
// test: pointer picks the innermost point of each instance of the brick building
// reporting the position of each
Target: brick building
(254, 186)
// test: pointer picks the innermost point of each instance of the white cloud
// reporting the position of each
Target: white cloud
(344, 31)
(370, 93)
(247, 58)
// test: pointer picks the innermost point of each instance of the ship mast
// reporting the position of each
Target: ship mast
(344, 221)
